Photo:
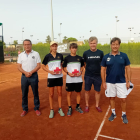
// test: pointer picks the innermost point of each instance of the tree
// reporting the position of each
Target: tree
(71, 39)
(65, 39)
(4, 44)
(86, 41)
(15, 42)
(48, 40)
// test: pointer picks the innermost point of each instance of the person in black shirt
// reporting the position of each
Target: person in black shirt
(52, 64)
(92, 59)
(73, 66)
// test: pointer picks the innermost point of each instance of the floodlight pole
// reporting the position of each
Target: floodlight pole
(60, 32)
(52, 39)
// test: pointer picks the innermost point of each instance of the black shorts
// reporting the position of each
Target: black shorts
(55, 82)
(77, 87)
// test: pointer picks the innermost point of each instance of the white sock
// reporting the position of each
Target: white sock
(123, 113)
(113, 111)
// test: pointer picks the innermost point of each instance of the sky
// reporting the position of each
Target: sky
(78, 17)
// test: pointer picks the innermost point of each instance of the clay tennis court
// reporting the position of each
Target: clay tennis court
(87, 126)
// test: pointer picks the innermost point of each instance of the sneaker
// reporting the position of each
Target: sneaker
(38, 113)
(86, 109)
(124, 118)
(51, 114)
(79, 110)
(112, 117)
(69, 112)
(60, 111)
(98, 109)
(23, 113)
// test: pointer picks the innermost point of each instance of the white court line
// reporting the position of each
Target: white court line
(110, 137)
(102, 123)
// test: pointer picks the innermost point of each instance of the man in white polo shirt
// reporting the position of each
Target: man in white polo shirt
(29, 63)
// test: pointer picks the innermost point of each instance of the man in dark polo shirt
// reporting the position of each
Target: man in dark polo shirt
(29, 63)
(114, 65)
(92, 59)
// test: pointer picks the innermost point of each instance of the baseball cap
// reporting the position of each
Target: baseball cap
(53, 42)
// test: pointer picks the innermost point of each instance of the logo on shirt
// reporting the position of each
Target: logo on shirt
(78, 59)
(58, 57)
(120, 57)
(48, 83)
(66, 87)
(108, 59)
(93, 57)
(33, 57)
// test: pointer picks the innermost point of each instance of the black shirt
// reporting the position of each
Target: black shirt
(49, 58)
(73, 63)
(73, 60)
(93, 62)
(53, 63)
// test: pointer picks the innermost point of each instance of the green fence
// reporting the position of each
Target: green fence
(131, 49)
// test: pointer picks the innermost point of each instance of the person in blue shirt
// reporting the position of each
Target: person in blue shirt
(113, 68)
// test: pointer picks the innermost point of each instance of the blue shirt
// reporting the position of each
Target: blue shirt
(115, 67)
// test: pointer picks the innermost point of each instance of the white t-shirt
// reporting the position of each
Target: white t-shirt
(29, 61)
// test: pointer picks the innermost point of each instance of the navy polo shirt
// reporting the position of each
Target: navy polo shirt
(115, 67)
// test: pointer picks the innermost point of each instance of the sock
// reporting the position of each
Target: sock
(113, 111)
(70, 107)
(77, 105)
(123, 113)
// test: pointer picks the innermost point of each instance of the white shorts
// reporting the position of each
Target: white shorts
(119, 90)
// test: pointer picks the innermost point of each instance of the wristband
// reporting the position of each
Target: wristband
(67, 73)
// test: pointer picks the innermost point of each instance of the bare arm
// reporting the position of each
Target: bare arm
(46, 68)
(85, 64)
(36, 68)
(19, 66)
(81, 70)
(128, 75)
(103, 75)
(70, 74)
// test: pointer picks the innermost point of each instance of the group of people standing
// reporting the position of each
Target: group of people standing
(112, 71)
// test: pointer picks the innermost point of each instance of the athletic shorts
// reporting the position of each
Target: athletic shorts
(55, 82)
(118, 89)
(77, 87)
(96, 81)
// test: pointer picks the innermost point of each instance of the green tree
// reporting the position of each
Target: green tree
(48, 40)
(15, 42)
(86, 41)
(70, 39)
(65, 39)
(4, 44)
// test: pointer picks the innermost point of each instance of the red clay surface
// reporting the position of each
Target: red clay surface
(76, 127)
